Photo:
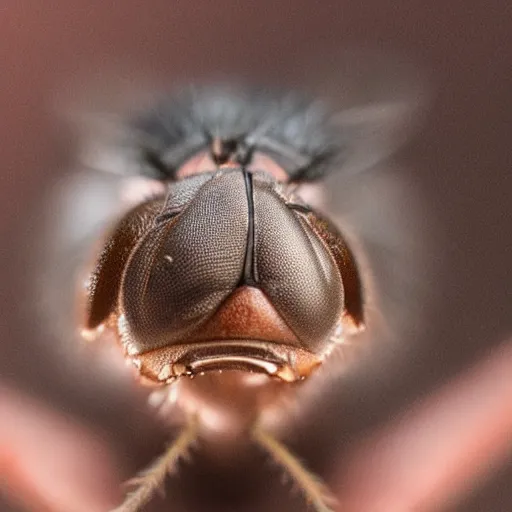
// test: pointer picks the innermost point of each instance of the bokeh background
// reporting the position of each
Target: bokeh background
(457, 171)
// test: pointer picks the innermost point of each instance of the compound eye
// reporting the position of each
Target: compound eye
(106, 277)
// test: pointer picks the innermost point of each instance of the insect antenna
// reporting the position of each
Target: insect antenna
(151, 480)
(313, 489)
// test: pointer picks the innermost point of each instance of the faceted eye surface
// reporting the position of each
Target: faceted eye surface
(295, 269)
(173, 264)
(183, 269)
(191, 261)
(105, 280)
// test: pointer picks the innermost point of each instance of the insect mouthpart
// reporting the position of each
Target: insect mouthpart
(246, 333)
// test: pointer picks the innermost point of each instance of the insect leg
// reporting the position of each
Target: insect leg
(152, 479)
(314, 490)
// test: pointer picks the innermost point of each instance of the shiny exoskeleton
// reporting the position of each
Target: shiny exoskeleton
(227, 276)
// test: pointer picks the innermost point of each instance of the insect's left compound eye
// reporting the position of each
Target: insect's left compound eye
(226, 267)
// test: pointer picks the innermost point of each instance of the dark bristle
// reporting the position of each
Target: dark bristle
(296, 131)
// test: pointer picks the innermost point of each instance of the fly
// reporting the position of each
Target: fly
(226, 291)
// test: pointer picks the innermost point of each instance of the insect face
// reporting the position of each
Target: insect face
(228, 267)
(228, 272)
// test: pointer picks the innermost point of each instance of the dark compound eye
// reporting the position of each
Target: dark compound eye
(225, 258)
(183, 270)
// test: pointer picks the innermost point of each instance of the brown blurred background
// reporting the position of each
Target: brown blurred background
(461, 163)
